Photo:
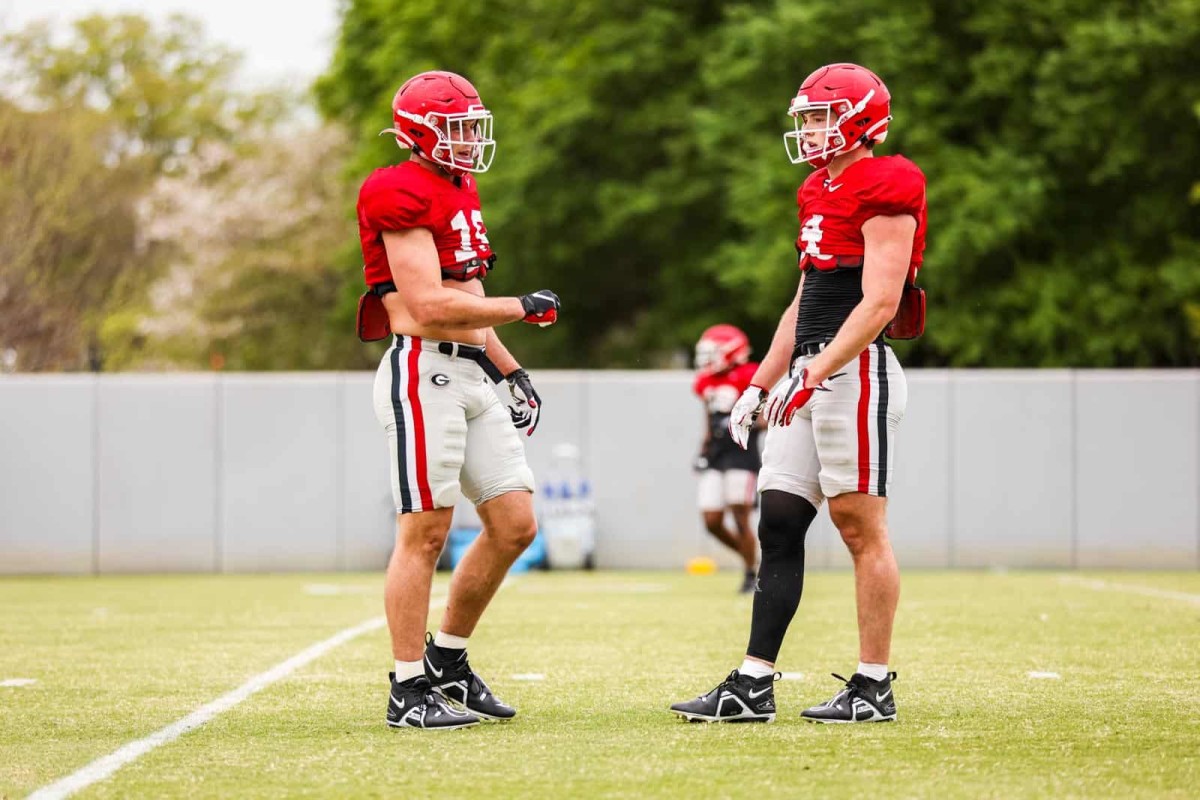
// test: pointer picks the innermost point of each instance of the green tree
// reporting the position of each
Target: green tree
(252, 234)
(596, 190)
(68, 236)
(640, 170)
(165, 88)
(96, 126)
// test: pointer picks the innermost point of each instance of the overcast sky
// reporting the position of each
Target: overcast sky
(279, 40)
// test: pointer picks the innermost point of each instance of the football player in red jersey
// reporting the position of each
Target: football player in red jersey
(838, 393)
(426, 253)
(728, 473)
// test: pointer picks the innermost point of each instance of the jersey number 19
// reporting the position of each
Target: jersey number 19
(459, 223)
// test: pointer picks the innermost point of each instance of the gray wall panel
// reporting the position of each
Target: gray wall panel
(919, 508)
(1012, 453)
(47, 455)
(1138, 475)
(368, 514)
(279, 448)
(1015, 468)
(696, 541)
(157, 474)
(564, 405)
(639, 453)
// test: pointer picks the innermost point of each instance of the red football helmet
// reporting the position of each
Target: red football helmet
(440, 116)
(857, 106)
(721, 347)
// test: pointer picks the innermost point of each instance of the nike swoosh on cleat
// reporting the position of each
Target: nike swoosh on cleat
(437, 673)
(760, 693)
(879, 698)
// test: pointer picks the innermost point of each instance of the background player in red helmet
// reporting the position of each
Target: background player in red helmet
(728, 473)
(426, 253)
(838, 391)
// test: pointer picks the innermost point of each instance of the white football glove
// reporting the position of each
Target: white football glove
(526, 408)
(791, 394)
(745, 412)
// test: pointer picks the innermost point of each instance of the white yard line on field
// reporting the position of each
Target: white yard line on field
(1130, 588)
(101, 768)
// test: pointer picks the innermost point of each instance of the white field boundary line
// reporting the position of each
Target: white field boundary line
(103, 767)
(1130, 588)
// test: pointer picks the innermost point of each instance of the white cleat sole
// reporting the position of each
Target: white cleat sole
(401, 725)
(702, 718)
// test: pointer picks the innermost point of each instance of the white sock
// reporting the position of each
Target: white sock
(450, 641)
(409, 669)
(875, 672)
(755, 668)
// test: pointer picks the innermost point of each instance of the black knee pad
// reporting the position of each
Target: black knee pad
(782, 526)
(783, 522)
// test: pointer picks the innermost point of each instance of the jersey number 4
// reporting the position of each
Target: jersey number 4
(811, 234)
(466, 250)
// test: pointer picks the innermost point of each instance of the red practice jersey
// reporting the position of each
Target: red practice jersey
(409, 196)
(832, 213)
(720, 392)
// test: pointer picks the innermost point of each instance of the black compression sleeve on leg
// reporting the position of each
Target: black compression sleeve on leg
(782, 525)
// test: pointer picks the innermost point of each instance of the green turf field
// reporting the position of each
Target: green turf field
(117, 659)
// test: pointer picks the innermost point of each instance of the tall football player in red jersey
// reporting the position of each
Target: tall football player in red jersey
(426, 253)
(838, 391)
(728, 473)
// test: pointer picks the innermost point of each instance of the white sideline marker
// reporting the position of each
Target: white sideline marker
(1045, 676)
(791, 676)
(18, 682)
(529, 676)
(101, 768)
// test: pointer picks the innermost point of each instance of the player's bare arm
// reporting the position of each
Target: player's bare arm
(888, 243)
(774, 366)
(775, 363)
(499, 354)
(525, 407)
(425, 305)
(701, 462)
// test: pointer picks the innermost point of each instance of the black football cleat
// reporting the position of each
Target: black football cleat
(415, 704)
(739, 698)
(454, 678)
(861, 700)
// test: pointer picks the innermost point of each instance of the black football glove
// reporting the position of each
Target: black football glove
(526, 407)
(541, 307)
